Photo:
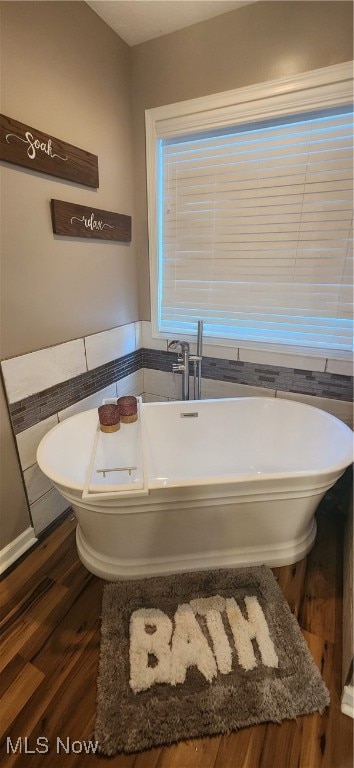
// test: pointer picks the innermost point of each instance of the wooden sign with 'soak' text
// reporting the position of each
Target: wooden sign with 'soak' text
(82, 221)
(22, 145)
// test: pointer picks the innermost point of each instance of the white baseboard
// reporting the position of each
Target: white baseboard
(16, 548)
(347, 704)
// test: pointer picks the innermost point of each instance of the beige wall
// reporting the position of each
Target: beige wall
(14, 515)
(256, 43)
(65, 72)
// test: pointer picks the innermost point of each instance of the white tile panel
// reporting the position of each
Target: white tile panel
(162, 383)
(138, 335)
(47, 509)
(282, 359)
(221, 352)
(109, 345)
(28, 441)
(146, 338)
(147, 398)
(27, 374)
(343, 367)
(37, 483)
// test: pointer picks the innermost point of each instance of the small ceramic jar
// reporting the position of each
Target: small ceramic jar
(128, 409)
(109, 417)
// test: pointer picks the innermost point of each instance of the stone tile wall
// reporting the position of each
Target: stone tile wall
(316, 383)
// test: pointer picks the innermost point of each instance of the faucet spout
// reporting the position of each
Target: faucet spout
(184, 345)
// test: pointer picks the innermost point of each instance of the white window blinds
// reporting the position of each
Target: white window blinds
(255, 232)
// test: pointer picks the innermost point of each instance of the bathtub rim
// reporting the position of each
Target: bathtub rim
(197, 482)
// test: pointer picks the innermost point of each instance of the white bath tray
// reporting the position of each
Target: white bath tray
(116, 466)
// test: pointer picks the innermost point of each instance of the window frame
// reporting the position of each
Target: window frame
(314, 90)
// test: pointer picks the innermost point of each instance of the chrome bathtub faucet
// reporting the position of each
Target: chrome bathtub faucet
(182, 365)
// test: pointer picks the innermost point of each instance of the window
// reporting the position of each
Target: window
(254, 225)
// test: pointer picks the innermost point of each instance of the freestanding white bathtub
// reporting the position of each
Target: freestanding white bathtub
(210, 484)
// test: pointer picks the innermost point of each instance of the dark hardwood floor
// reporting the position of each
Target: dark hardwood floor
(50, 647)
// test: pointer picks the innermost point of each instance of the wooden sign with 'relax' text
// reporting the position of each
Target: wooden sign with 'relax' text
(25, 146)
(81, 221)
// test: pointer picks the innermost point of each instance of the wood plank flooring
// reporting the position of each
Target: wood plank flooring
(50, 629)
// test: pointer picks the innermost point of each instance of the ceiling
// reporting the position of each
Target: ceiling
(137, 21)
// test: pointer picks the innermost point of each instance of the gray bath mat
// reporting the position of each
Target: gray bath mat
(199, 654)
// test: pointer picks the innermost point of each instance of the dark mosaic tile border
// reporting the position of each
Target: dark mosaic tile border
(31, 410)
(36, 408)
(317, 383)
